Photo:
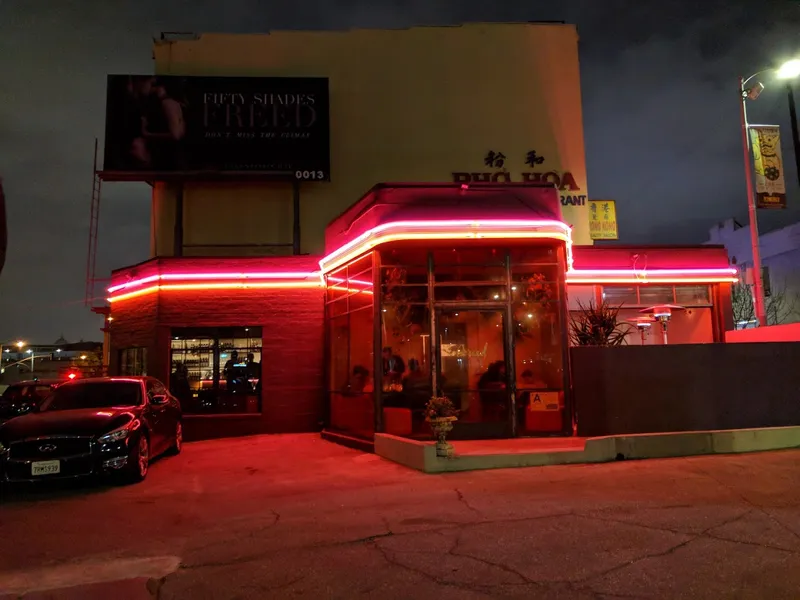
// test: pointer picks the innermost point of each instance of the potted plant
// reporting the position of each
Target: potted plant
(598, 325)
(441, 414)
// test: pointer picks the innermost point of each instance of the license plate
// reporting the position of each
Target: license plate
(45, 467)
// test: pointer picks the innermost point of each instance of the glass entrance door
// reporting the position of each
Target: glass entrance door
(472, 361)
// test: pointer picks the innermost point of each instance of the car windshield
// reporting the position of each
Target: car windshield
(94, 395)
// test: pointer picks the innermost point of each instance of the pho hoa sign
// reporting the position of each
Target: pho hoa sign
(496, 161)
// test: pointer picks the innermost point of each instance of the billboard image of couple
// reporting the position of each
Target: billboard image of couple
(168, 126)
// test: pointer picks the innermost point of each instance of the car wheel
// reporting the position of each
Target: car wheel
(177, 442)
(139, 460)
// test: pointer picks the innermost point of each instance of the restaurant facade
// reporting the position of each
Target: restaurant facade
(345, 223)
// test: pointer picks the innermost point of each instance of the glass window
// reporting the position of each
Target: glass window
(578, 295)
(339, 307)
(469, 265)
(336, 287)
(473, 362)
(360, 289)
(471, 293)
(406, 359)
(350, 351)
(538, 327)
(650, 295)
(133, 361)
(217, 370)
(616, 295)
(544, 254)
(399, 286)
(693, 295)
(361, 355)
(339, 340)
(469, 256)
(405, 256)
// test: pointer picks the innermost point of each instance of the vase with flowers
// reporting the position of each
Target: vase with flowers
(441, 413)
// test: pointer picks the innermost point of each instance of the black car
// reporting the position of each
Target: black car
(90, 427)
(25, 396)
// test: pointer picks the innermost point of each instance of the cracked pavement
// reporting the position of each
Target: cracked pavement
(298, 517)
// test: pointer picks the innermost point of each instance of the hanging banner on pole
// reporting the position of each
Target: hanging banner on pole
(768, 162)
(603, 220)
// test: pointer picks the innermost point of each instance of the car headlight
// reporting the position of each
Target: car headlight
(115, 436)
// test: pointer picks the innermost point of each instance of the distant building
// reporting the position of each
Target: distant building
(780, 266)
(49, 361)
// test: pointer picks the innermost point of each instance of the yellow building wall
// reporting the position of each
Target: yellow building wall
(414, 104)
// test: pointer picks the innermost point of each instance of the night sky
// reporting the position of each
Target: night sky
(660, 115)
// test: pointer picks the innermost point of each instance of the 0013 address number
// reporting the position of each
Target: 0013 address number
(309, 175)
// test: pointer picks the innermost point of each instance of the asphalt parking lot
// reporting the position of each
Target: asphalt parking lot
(295, 516)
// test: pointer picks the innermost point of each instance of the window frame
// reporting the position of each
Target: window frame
(672, 300)
(139, 354)
(215, 335)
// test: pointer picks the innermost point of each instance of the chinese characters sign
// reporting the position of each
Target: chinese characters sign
(603, 220)
(770, 185)
(496, 165)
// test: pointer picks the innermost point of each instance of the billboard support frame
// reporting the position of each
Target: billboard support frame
(296, 218)
(178, 230)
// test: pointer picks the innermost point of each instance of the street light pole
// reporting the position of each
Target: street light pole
(758, 286)
(795, 134)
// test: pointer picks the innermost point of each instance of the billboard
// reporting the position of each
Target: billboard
(603, 220)
(770, 184)
(162, 127)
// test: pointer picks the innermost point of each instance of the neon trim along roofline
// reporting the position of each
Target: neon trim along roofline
(416, 230)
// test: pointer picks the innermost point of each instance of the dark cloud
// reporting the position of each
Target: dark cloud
(660, 115)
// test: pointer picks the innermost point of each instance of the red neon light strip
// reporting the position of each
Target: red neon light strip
(639, 281)
(612, 276)
(596, 276)
(195, 276)
(647, 272)
(215, 286)
(449, 229)
(420, 230)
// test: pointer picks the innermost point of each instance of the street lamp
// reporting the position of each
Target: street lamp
(788, 70)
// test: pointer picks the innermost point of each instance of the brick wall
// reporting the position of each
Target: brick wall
(134, 325)
(293, 342)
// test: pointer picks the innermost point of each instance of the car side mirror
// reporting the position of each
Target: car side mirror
(159, 400)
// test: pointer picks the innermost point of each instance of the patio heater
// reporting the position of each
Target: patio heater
(643, 324)
(662, 313)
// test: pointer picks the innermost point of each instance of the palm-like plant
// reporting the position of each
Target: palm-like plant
(598, 325)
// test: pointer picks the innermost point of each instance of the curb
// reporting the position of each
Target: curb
(422, 455)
